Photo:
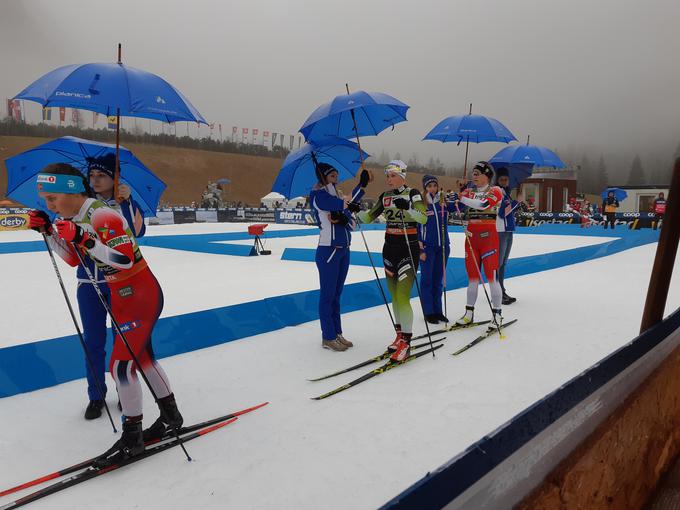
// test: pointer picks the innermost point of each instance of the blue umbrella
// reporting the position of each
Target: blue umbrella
(470, 128)
(111, 89)
(534, 155)
(297, 175)
(22, 169)
(517, 172)
(619, 194)
(373, 112)
(223, 180)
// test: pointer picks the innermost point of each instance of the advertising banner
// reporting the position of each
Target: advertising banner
(295, 216)
(13, 219)
(206, 215)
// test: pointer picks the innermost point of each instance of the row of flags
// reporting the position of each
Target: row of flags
(254, 136)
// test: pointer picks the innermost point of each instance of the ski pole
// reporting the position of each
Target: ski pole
(119, 331)
(415, 278)
(88, 360)
(445, 232)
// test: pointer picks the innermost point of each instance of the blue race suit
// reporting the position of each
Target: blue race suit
(432, 268)
(332, 253)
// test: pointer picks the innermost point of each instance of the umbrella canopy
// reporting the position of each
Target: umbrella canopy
(109, 87)
(517, 172)
(223, 180)
(297, 176)
(619, 194)
(22, 169)
(534, 155)
(373, 111)
(470, 128)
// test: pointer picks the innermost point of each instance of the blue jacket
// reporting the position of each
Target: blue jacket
(506, 223)
(128, 208)
(323, 201)
(430, 234)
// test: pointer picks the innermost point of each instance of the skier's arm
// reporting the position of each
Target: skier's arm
(112, 246)
(418, 210)
(489, 199)
(324, 201)
(375, 211)
(64, 249)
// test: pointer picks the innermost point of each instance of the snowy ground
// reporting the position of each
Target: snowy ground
(354, 450)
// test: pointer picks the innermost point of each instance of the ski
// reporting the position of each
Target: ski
(92, 472)
(482, 337)
(374, 359)
(452, 327)
(82, 465)
(377, 371)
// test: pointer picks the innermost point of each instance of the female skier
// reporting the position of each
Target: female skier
(404, 210)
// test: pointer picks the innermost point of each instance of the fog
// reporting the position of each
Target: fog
(600, 78)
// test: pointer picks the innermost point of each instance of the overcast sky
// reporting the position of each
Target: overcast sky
(602, 74)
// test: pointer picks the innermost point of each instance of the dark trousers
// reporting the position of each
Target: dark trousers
(609, 218)
(333, 264)
(504, 247)
(93, 316)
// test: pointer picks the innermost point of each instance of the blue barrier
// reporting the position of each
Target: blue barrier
(45, 363)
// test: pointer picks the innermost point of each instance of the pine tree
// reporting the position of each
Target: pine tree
(602, 175)
(637, 174)
(585, 182)
(397, 156)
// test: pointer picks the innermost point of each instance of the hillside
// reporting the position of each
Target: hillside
(187, 171)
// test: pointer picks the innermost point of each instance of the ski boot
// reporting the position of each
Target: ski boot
(497, 320)
(508, 300)
(468, 317)
(344, 341)
(432, 318)
(403, 348)
(169, 419)
(131, 443)
(395, 343)
(442, 318)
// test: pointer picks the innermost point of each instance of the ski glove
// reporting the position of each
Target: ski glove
(364, 178)
(339, 218)
(353, 207)
(71, 232)
(402, 203)
(40, 222)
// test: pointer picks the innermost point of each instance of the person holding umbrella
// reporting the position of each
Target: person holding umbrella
(609, 207)
(435, 248)
(404, 210)
(333, 216)
(89, 228)
(505, 226)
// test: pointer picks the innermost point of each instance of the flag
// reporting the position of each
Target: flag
(212, 126)
(220, 131)
(95, 116)
(74, 116)
(14, 109)
(255, 131)
(47, 114)
(299, 141)
(244, 134)
(292, 141)
(62, 114)
(265, 138)
(274, 136)
(234, 130)
(113, 121)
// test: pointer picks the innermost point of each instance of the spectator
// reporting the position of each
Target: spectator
(609, 206)
(505, 225)
(659, 209)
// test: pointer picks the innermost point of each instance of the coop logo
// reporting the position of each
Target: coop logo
(79, 95)
(12, 221)
(631, 215)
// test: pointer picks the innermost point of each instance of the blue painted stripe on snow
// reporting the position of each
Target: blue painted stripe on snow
(45, 363)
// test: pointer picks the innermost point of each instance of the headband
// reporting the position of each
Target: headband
(59, 183)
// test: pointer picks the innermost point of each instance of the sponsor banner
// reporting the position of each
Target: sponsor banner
(629, 220)
(249, 215)
(12, 220)
(163, 218)
(184, 215)
(295, 216)
(206, 215)
(226, 215)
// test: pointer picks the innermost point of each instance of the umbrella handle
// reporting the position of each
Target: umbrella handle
(356, 130)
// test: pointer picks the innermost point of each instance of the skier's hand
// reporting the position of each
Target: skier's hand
(354, 207)
(71, 232)
(338, 218)
(40, 222)
(123, 192)
(401, 203)
(423, 256)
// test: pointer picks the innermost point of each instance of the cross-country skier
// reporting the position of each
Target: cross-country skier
(101, 233)
(403, 209)
(333, 215)
(92, 312)
(434, 237)
(481, 245)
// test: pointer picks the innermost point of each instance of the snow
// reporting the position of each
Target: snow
(354, 450)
